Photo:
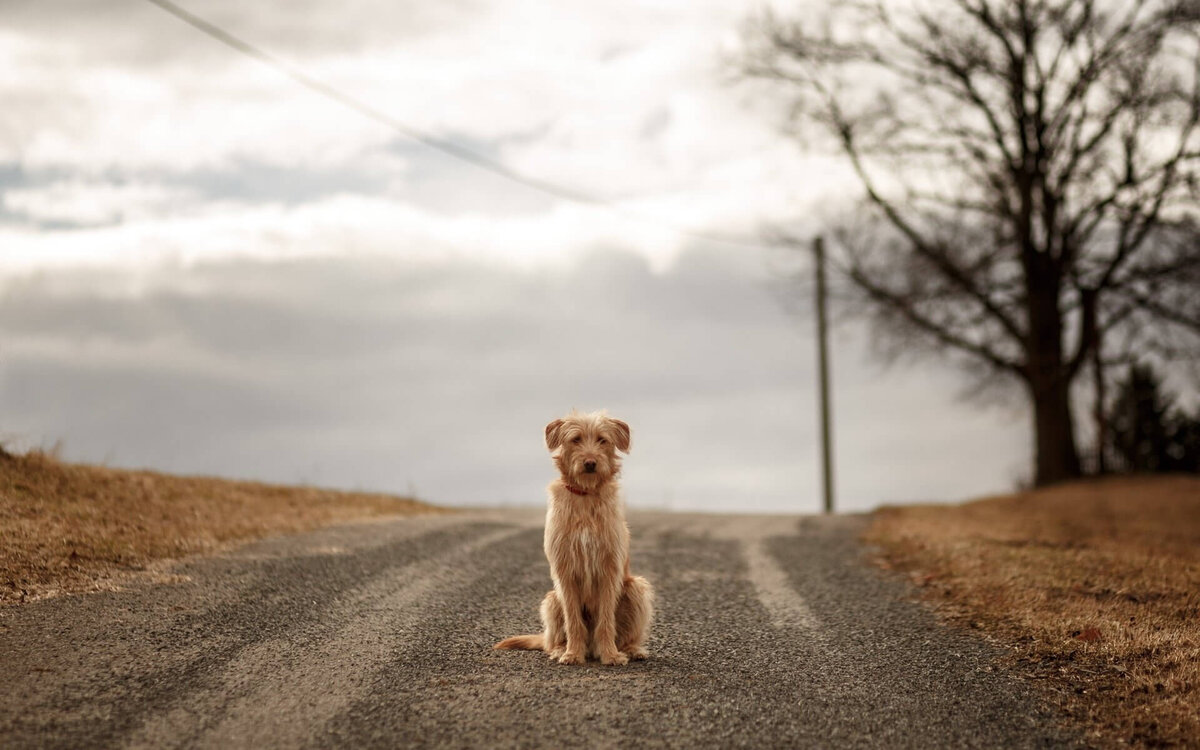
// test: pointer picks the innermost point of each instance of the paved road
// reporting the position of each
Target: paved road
(771, 632)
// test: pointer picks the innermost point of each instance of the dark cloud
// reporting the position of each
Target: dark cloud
(12, 175)
(439, 182)
(393, 375)
(250, 182)
(416, 175)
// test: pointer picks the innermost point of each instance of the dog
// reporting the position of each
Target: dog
(596, 608)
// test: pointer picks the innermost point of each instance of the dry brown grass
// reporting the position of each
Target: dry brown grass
(1095, 586)
(67, 528)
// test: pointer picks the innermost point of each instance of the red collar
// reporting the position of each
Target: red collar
(573, 489)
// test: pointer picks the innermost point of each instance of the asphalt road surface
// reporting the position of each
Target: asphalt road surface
(771, 632)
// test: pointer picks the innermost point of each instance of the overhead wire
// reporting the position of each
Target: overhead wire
(446, 147)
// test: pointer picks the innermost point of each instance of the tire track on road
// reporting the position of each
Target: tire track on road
(279, 691)
(788, 609)
(137, 654)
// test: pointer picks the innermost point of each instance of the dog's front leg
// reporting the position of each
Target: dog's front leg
(576, 627)
(606, 627)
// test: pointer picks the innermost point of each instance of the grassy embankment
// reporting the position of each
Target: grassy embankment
(1094, 587)
(68, 528)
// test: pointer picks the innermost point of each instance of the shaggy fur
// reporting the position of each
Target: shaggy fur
(596, 607)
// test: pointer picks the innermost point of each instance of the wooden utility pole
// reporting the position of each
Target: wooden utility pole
(823, 376)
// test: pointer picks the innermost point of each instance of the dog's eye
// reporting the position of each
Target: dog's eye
(602, 441)
(578, 439)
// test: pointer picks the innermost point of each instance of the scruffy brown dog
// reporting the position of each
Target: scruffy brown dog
(596, 607)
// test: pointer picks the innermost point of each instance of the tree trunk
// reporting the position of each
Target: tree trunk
(1056, 457)
(1101, 413)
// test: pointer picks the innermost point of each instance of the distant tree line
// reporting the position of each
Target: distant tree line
(1147, 432)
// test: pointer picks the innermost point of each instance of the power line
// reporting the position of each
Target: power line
(447, 147)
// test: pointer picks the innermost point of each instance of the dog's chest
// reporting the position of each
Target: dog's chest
(582, 547)
(584, 537)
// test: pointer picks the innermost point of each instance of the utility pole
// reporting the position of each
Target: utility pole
(823, 376)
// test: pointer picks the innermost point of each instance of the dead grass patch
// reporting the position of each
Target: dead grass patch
(1095, 586)
(67, 527)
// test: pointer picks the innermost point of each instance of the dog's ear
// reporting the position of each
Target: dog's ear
(554, 434)
(620, 434)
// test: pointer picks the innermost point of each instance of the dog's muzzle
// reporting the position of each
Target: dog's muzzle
(589, 467)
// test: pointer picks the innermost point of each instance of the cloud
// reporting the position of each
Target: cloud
(78, 203)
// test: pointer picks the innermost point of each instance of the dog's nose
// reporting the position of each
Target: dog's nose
(589, 466)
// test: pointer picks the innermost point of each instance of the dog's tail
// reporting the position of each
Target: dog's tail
(531, 642)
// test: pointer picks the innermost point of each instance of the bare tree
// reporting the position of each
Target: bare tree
(1031, 170)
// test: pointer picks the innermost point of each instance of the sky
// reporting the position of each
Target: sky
(208, 268)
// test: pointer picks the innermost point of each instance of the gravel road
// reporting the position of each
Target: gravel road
(771, 632)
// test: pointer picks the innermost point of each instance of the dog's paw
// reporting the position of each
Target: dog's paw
(637, 653)
(555, 653)
(571, 658)
(616, 658)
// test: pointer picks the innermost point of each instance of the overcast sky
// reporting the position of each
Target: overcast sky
(207, 268)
